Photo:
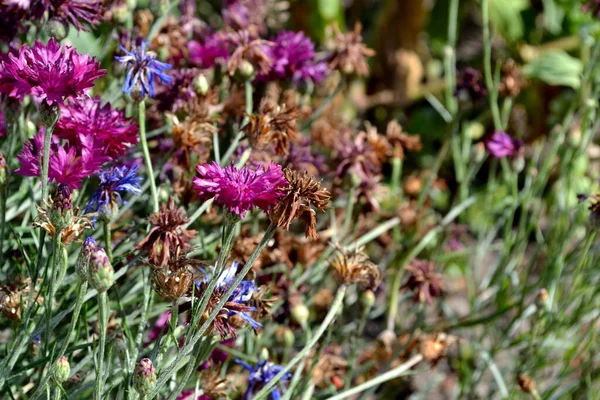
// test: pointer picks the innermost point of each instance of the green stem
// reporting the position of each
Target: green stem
(249, 107)
(51, 268)
(103, 322)
(147, 160)
(190, 368)
(450, 58)
(57, 392)
(355, 346)
(142, 324)
(391, 374)
(487, 64)
(46, 161)
(331, 314)
(168, 371)
(323, 105)
(107, 240)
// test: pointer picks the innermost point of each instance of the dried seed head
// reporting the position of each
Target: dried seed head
(172, 285)
(348, 52)
(423, 281)
(526, 384)
(302, 193)
(273, 126)
(353, 266)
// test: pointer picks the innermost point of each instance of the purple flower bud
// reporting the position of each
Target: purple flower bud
(83, 260)
(144, 377)
(101, 273)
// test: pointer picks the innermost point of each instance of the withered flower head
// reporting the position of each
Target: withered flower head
(302, 193)
(329, 369)
(175, 280)
(11, 296)
(261, 302)
(249, 49)
(400, 141)
(511, 81)
(192, 136)
(363, 154)
(526, 383)
(423, 281)
(594, 207)
(354, 266)
(59, 216)
(349, 53)
(168, 238)
(273, 126)
(434, 347)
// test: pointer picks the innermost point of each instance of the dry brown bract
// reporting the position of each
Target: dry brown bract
(354, 266)
(274, 125)
(349, 53)
(400, 141)
(302, 193)
(168, 238)
(423, 281)
(175, 280)
(11, 296)
(249, 49)
(192, 136)
(434, 347)
(512, 81)
(72, 231)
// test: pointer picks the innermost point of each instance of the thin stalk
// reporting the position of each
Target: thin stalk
(191, 367)
(51, 267)
(107, 240)
(61, 352)
(396, 177)
(103, 322)
(147, 160)
(249, 107)
(57, 392)
(168, 371)
(450, 58)
(323, 105)
(142, 323)
(487, 65)
(333, 311)
(391, 374)
(46, 161)
(355, 346)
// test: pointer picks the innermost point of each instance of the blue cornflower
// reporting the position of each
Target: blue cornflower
(113, 182)
(260, 375)
(143, 68)
(237, 303)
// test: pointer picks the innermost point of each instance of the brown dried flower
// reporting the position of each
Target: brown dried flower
(11, 296)
(58, 216)
(401, 141)
(526, 383)
(262, 303)
(354, 266)
(349, 52)
(329, 369)
(273, 126)
(512, 81)
(168, 238)
(423, 281)
(248, 49)
(192, 136)
(173, 39)
(302, 193)
(175, 280)
(434, 347)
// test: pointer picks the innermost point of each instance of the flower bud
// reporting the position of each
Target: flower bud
(284, 336)
(300, 314)
(3, 172)
(49, 113)
(120, 13)
(367, 299)
(82, 265)
(57, 28)
(30, 128)
(541, 300)
(201, 85)
(245, 71)
(62, 208)
(61, 370)
(264, 354)
(101, 273)
(144, 377)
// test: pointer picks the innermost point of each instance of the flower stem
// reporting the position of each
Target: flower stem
(391, 374)
(147, 160)
(107, 240)
(335, 307)
(49, 280)
(323, 105)
(249, 106)
(46, 161)
(487, 65)
(102, 320)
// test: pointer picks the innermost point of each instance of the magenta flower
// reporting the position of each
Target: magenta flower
(2, 124)
(75, 12)
(68, 165)
(214, 50)
(52, 72)
(86, 119)
(241, 189)
(501, 145)
(293, 56)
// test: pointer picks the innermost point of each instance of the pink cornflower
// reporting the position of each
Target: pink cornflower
(110, 130)
(501, 145)
(67, 164)
(49, 72)
(241, 189)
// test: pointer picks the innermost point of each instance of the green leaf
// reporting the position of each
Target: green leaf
(505, 16)
(556, 68)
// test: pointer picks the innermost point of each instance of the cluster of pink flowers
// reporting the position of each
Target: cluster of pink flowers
(48, 72)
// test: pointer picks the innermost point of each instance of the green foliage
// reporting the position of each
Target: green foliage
(556, 68)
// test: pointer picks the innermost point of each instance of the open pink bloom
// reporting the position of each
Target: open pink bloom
(501, 145)
(240, 190)
(83, 120)
(49, 72)
(67, 165)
